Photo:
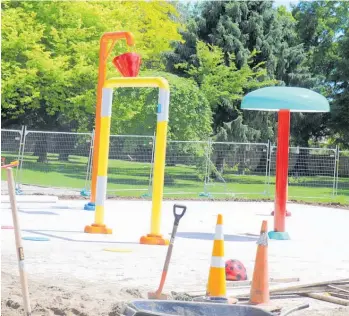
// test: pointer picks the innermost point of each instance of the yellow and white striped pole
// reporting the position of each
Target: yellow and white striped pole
(98, 227)
(155, 238)
(216, 286)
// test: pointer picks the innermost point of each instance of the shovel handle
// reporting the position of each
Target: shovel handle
(178, 215)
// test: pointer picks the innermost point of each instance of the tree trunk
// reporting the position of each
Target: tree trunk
(63, 156)
(40, 148)
(65, 145)
(219, 163)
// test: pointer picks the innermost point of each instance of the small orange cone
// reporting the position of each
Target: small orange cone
(216, 286)
(260, 282)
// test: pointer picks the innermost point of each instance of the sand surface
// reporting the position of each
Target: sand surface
(71, 273)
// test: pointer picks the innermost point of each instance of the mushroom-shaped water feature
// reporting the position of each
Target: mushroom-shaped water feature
(283, 100)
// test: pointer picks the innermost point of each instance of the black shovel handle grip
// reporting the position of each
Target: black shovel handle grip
(178, 215)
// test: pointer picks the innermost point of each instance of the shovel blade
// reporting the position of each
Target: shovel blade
(157, 296)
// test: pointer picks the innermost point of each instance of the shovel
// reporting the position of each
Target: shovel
(177, 215)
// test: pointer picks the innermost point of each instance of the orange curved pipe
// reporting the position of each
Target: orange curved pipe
(102, 74)
(128, 36)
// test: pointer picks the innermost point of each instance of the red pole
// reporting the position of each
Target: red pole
(281, 170)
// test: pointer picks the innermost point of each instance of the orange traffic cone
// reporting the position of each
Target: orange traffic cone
(260, 282)
(216, 286)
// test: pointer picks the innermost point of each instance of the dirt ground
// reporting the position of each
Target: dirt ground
(58, 288)
(54, 298)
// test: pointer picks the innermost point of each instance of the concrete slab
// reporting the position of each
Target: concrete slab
(316, 251)
(31, 199)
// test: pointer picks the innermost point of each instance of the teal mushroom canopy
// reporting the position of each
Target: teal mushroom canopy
(289, 98)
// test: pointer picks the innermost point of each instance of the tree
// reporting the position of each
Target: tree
(254, 32)
(240, 28)
(189, 117)
(50, 56)
(224, 86)
(340, 105)
(319, 27)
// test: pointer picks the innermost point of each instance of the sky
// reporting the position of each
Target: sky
(285, 3)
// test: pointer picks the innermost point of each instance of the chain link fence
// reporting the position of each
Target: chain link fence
(54, 159)
(130, 164)
(237, 169)
(11, 143)
(342, 187)
(311, 173)
(193, 168)
(185, 167)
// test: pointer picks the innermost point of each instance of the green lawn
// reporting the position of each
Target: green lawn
(127, 178)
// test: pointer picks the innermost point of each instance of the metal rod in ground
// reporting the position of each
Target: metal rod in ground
(19, 247)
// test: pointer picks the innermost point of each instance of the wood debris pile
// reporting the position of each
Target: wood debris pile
(335, 291)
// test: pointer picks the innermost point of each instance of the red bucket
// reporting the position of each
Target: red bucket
(128, 64)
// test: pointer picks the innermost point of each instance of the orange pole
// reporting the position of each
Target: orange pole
(281, 170)
(102, 75)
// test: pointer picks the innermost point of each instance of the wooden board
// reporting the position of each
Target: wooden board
(305, 287)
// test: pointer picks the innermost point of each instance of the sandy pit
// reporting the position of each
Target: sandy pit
(71, 274)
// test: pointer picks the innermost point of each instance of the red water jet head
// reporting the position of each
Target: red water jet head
(128, 64)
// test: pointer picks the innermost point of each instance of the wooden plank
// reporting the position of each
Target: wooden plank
(305, 287)
(345, 296)
(338, 288)
(284, 280)
(328, 298)
(240, 285)
(271, 280)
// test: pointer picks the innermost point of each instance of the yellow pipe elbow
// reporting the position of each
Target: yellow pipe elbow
(137, 82)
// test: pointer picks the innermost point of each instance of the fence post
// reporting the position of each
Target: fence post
(150, 185)
(21, 157)
(207, 169)
(336, 172)
(267, 170)
(87, 185)
(270, 152)
(17, 186)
